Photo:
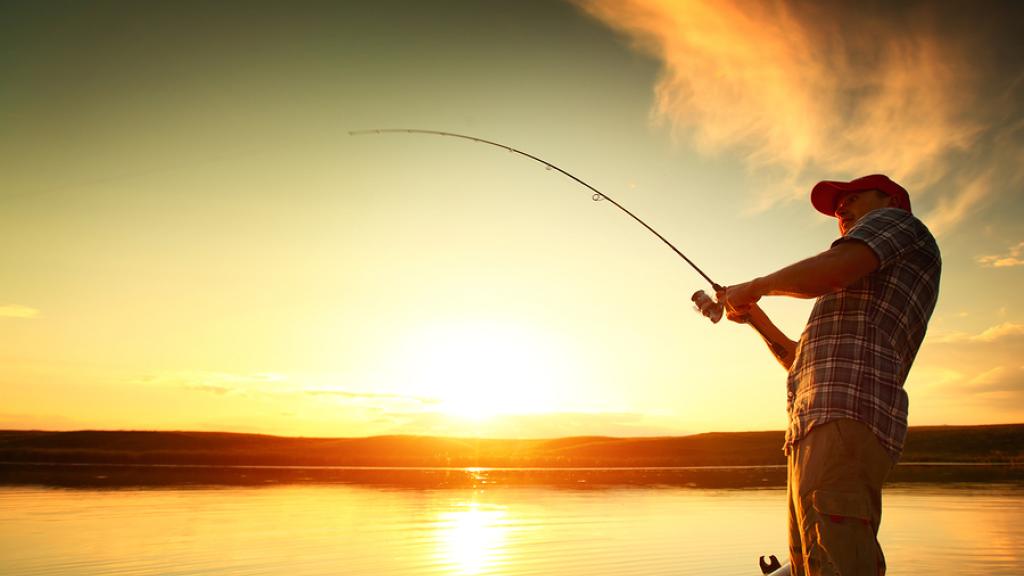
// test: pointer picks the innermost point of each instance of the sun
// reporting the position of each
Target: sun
(476, 370)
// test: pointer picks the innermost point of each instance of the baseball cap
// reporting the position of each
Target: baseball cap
(824, 194)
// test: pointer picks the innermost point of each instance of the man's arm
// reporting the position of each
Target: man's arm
(829, 271)
(780, 345)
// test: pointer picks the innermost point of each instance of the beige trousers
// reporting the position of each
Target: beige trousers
(835, 501)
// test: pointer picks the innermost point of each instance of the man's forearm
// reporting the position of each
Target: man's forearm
(832, 270)
(781, 346)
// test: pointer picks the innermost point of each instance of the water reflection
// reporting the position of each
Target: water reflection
(472, 537)
(979, 531)
(310, 530)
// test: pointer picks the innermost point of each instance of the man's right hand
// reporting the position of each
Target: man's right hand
(713, 310)
(781, 347)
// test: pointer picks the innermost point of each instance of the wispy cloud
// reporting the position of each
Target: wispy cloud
(40, 421)
(972, 375)
(538, 425)
(950, 210)
(17, 311)
(1004, 330)
(212, 388)
(373, 396)
(999, 379)
(992, 334)
(1011, 258)
(811, 90)
(276, 384)
(217, 382)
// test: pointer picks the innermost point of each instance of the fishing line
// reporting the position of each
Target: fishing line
(715, 314)
(597, 196)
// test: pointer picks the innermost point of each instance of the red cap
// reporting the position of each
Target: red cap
(825, 193)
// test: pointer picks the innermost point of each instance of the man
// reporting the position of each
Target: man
(876, 288)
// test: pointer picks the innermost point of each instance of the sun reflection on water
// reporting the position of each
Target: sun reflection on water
(487, 530)
(472, 539)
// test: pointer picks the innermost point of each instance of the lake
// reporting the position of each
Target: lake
(565, 528)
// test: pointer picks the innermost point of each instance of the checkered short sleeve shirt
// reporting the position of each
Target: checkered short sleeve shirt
(856, 351)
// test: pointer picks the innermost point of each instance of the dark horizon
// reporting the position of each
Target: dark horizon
(464, 437)
(979, 443)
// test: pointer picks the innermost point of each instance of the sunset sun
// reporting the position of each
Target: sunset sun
(476, 370)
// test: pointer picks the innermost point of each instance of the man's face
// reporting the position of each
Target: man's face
(852, 206)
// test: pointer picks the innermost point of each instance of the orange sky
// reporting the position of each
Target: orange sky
(189, 239)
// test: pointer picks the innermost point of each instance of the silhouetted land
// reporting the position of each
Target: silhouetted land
(969, 444)
(984, 453)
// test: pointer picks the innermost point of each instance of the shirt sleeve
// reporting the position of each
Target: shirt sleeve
(891, 233)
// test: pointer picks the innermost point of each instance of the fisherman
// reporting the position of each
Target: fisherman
(876, 288)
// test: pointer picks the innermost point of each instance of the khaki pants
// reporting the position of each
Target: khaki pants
(835, 501)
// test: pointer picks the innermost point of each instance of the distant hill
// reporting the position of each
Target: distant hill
(996, 443)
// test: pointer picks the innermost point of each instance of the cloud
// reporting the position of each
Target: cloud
(275, 384)
(1000, 379)
(835, 89)
(1004, 330)
(1000, 388)
(535, 425)
(1010, 259)
(972, 376)
(17, 311)
(212, 388)
(218, 382)
(374, 396)
(950, 210)
(992, 334)
(41, 421)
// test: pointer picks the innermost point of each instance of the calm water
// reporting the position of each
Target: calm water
(501, 530)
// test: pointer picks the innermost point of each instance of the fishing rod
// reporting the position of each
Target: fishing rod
(598, 195)
(702, 300)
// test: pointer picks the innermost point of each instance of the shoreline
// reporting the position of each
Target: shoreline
(135, 475)
(476, 468)
(933, 445)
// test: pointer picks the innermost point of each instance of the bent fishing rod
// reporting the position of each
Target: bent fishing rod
(598, 195)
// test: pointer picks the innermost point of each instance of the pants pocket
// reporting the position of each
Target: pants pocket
(842, 505)
(842, 535)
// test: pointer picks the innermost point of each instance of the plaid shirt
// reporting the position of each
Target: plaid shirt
(854, 355)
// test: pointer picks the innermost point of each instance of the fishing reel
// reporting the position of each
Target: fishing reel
(707, 306)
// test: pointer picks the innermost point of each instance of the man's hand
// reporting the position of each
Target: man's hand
(738, 300)
(741, 306)
(714, 310)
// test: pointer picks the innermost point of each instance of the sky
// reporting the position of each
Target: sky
(190, 239)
